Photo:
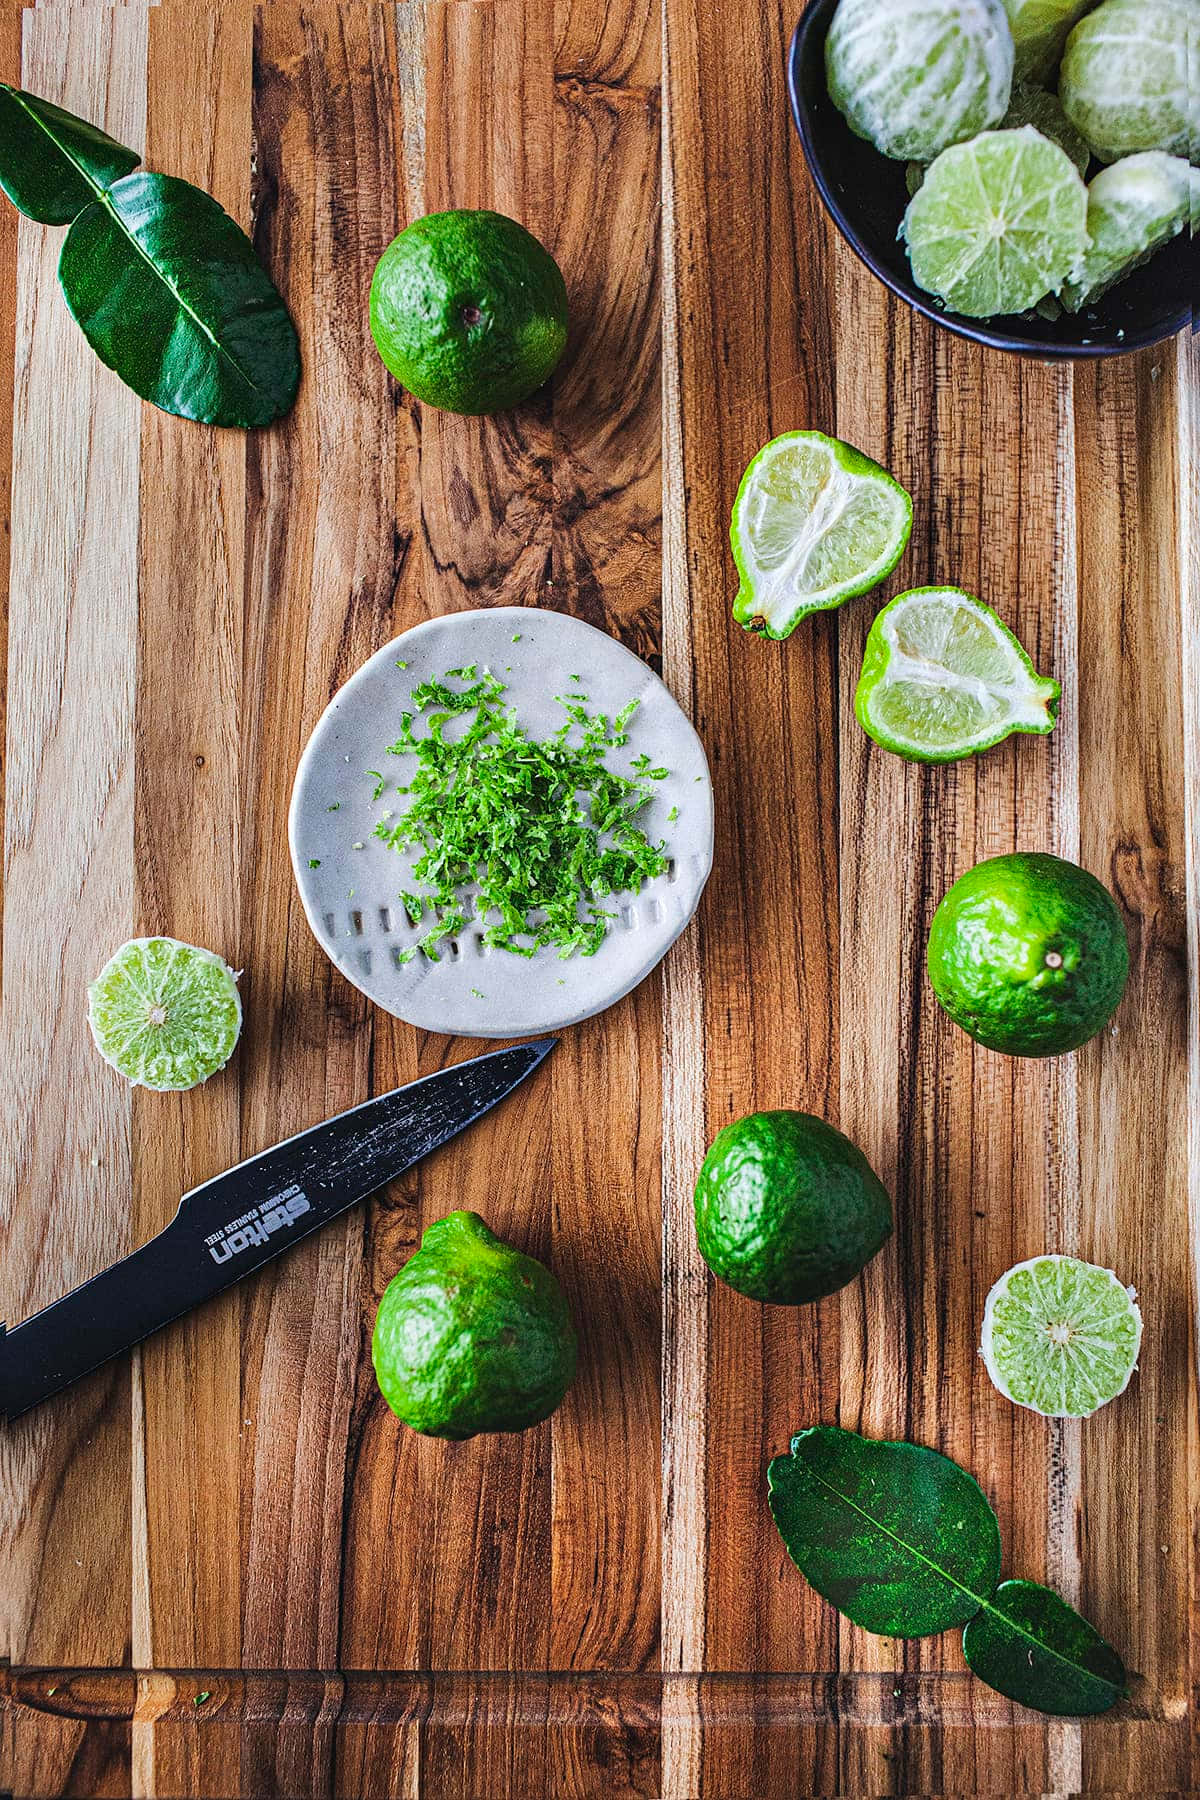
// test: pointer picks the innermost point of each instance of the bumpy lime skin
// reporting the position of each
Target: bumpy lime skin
(1028, 954)
(472, 1335)
(469, 311)
(787, 1209)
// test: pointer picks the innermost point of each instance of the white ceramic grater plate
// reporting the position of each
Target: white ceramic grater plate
(351, 894)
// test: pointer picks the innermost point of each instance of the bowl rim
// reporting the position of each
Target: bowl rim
(974, 331)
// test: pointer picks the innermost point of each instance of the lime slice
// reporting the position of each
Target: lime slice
(912, 76)
(998, 223)
(815, 523)
(166, 1015)
(942, 677)
(1128, 79)
(1134, 207)
(1060, 1336)
(1040, 30)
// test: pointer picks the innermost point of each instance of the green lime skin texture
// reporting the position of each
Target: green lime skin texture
(1028, 954)
(469, 311)
(472, 1335)
(787, 1209)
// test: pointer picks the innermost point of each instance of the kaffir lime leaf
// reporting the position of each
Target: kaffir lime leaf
(912, 76)
(1061, 1336)
(1135, 206)
(815, 523)
(943, 677)
(1129, 78)
(998, 223)
(166, 1015)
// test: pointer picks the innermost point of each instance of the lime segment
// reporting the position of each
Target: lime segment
(1134, 208)
(1128, 79)
(942, 677)
(998, 223)
(1040, 31)
(1060, 1336)
(815, 523)
(912, 76)
(166, 1015)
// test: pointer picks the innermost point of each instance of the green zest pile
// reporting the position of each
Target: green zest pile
(541, 831)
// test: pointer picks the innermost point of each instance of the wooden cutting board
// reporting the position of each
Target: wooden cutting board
(225, 1568)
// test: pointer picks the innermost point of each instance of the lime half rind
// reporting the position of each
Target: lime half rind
(998, 223)
(912, 76)
(165, 1015)
(1135, 207)
(1060, 1336)
(944, 678)
(815, 523)
(1129, 78)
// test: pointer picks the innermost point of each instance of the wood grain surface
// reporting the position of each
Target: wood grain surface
(225, 1569)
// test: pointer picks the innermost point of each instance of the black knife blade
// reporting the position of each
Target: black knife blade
(240, 1220)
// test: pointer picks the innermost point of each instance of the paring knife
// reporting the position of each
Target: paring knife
(240, 1220)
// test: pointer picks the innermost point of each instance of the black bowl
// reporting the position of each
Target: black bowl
(867, 196)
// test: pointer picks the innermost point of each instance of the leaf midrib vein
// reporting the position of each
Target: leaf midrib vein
(103, 195)
(984, 1605)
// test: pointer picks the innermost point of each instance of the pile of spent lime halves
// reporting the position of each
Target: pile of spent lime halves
(1001, 109)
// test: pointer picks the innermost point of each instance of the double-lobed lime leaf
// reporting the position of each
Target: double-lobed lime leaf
(905, 1543)
(164, 284)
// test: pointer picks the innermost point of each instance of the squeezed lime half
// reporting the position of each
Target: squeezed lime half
(1061, 1336)
(815, 523)
(166, 1015)
(943, 677)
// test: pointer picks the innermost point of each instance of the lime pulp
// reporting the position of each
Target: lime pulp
(943, 678)
(166, 1015)
(1060, 1336)
(815, 523)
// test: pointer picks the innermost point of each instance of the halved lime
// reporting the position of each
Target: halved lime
(1134, 207)
(943, 677)
(912, 76)
(166, 1015)
(1128, 79)
(815, 523)
(1040, 30)
(998, 223)
(1060, 1336)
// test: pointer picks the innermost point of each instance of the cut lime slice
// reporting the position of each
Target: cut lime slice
(912, 76)
(1134, 207)
(815, 523)
(1060, 1336)
(1128, 79)
(998, 223)
(942, 677)
(1040, 31)
(166, 1015)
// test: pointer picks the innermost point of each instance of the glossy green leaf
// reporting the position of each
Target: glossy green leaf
(170, 294)
(1032, 1646)
(897, 1537)
(52, 164)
